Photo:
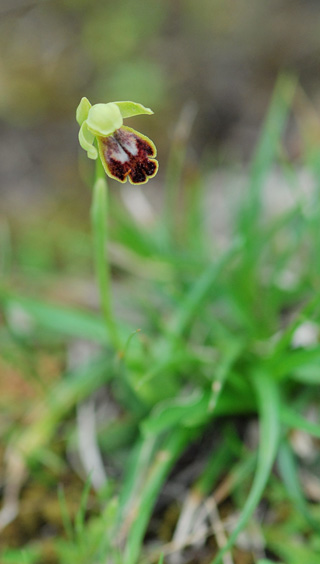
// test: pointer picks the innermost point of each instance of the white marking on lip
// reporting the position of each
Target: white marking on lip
(119, 154)
(130, 145)
(128, 141)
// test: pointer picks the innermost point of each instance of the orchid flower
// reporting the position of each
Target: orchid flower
(124, 152)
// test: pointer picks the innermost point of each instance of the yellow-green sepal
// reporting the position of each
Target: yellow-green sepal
(86, 139)
(130, 109)
(83, 110)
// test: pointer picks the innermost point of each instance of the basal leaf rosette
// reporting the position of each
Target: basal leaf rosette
(124, 152)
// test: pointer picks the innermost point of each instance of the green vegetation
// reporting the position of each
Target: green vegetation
(211, 381)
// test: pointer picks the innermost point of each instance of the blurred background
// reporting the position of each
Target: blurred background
(223, 57)
(208, 64)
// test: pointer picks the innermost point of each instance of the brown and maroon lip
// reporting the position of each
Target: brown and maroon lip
(128, 154)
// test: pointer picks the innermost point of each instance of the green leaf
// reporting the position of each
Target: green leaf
(138, 463)
(175, 411)
(81, 513)
(161, 465)
(65, 321)
(200, 290)
(292, 549)
(29, 555)
(217, 462)
(295, 361)
(295, 421)
(65, 515)
(193, 411)
(266, 561)
(269, 410)
(266, 152)
(61, 399)
(289, 473)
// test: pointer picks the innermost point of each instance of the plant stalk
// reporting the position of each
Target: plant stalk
(99, 219)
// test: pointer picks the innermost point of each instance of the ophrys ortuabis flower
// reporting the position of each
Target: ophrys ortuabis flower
(124, 152)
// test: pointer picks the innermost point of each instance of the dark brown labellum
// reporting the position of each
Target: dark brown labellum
(128, 154)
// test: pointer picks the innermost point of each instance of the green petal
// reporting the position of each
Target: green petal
(83, 110)
(104, 119)
(129, 109)
(86, 139)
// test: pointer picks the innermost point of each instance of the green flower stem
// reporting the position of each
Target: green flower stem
(99, 219)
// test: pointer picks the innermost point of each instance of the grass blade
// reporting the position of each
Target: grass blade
(199, 292)
(268, 409)
(288, 470)
(163, 462)
(79, 524)
(75, 386)
(266, 151)
(65, 516)
(64, 321)
(295, 421)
